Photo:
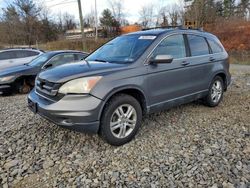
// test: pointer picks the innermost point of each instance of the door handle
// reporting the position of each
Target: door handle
(185, 63)
(211, 59)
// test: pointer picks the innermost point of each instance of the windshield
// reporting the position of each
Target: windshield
(40, 60)
(124, 49)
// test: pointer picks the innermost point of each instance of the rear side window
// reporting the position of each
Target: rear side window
(21, 54)
(198, 45)
(173, 45)
(25, 53)
(216, 48)
(8, 55)
(32, 53)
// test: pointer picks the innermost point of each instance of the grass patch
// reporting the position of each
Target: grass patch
(91, 45)
(240, 58)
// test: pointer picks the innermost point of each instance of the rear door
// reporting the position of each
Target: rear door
(7, 58)
(171, 81)
(201, 63)
(23, 57)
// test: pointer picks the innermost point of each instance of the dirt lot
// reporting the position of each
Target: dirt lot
(187, 146)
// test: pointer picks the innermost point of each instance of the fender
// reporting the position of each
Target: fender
(117, 90)
(220, 72)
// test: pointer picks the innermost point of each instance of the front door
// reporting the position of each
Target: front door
(168, 82)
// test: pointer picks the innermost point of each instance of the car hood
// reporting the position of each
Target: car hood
(72, 71)
(15, 70)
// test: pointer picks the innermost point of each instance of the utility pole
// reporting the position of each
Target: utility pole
(96, 24)
(82, 25)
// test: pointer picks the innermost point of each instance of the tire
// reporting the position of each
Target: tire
(24, 88)
(125, 126)
(215, 96)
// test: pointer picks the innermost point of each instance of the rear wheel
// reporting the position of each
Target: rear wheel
(216, 91)
(121, 119)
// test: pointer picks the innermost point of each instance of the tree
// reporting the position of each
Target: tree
(174, 14)
(162, 19)
(243, 8)
(24, 22)
(90, 19)
(11, 26)
(117, 7)
(229, 7)
(147, 15)
(69, 22)
(202, 12)
(48, 29)
(219, 8)
(108, 20)
(109, 23)
(29, 13)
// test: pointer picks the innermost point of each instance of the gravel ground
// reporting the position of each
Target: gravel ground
(188, 146)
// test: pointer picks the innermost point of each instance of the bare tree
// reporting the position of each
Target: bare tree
(90, 19)
(59, 20)
(147, 16)
(174, 13)
(11, 26)
(117, 7)
(243, 9)
(202, 12)
(69, 21)
(162, 17)
(28, 12)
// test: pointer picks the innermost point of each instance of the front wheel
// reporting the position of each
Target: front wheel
(121, 119)
(24, 88)
(216, 91)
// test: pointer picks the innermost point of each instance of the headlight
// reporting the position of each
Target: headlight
(6, 79)
(80, 85)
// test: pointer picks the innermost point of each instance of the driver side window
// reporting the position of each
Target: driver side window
(61, 59)
(173, 45)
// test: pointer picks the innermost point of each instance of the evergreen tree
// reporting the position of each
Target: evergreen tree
(229, 7)
(107, 20)
(110, 24)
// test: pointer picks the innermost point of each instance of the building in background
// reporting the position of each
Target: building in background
(130, 29)
(103, 32)
(75, 34)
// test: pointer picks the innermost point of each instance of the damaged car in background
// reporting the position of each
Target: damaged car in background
(21, 79)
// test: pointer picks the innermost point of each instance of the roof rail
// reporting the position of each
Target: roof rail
(164, 27)
(175, 27)
(31, 48)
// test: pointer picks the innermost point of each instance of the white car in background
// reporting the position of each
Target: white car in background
(17, 56)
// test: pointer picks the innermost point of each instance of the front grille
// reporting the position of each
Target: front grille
(48, 89)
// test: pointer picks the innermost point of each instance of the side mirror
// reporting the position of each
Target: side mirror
(162, 59)
(47, 66)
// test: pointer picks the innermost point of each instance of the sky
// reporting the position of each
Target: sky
(131, 7)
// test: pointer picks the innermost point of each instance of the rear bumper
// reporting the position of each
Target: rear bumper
(229, 81)
(76, 112)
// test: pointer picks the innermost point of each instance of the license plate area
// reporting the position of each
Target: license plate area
(32, 106)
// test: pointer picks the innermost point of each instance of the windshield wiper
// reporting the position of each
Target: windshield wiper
(100, 60)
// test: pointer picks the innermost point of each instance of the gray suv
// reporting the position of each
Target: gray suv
(130, 76)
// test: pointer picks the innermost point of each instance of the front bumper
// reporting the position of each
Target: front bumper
(5, 89)
(76, 112)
